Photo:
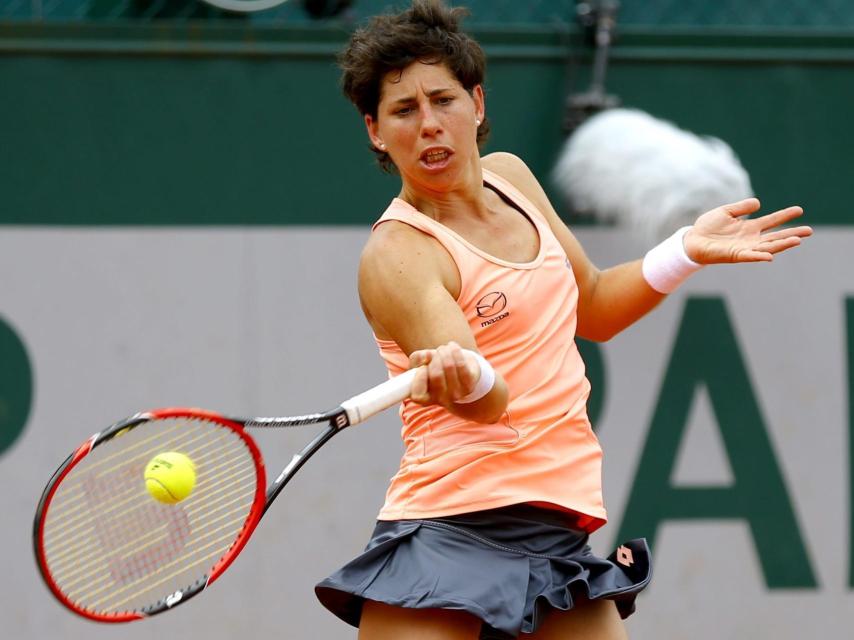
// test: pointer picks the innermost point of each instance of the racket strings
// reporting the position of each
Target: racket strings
(127, 473)
(126, 490)
(110, 547)
(72, 562)
(212, 550)
(81, 564)
(155, 443)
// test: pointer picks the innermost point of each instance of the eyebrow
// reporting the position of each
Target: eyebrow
(429, 95)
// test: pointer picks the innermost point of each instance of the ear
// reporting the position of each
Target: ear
(373, 127)
(479, 102)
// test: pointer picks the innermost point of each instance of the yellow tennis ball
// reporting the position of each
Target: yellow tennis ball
(170, 477)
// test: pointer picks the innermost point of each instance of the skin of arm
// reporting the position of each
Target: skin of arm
(615, 298)
(407, 287)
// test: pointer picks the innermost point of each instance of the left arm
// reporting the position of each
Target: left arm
(612, 299)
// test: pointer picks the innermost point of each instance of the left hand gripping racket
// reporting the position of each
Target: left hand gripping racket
(110, 552)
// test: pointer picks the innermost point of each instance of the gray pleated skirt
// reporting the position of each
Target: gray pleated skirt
(506, 566)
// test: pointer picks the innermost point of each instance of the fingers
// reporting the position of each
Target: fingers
(754, 240)
(420, 357)
(774, 236)
(779, 245)
(468, 371)
(780, 217)
(419, 391)
(778, 241)
(749, 255)
(441, 375)
(742, 207)
(801, 232)
(447, 374)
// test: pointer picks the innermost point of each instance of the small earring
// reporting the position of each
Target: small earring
(382, 146)
(477, 122)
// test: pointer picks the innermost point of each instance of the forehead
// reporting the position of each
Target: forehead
(417, 77)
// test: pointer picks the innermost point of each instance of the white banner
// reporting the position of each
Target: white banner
(745, 489)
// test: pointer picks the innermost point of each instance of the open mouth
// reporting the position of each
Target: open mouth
(435, 157)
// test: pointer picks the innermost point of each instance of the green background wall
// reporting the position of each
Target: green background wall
(188, 122)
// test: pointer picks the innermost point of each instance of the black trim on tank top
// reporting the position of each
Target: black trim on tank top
(509, 201)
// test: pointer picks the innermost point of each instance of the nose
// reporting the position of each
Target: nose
(430, 125)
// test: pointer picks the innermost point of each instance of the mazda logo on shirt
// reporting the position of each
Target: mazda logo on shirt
(491, 304)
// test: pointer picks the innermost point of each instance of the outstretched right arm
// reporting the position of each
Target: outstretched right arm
(407, 286)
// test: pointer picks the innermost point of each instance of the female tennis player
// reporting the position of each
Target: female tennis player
(472, 276)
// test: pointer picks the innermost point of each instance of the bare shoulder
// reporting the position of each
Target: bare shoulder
(513, 169)
(394, 256)
(509, 166)
(395, 249)
(399, 261)
(390, 238)
(404, 276)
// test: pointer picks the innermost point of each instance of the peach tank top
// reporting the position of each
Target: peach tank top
(543, 450)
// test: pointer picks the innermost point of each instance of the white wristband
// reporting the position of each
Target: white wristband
(484, 383)
(667, 266)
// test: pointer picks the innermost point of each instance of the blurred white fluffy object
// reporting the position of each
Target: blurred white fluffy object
(625, 167)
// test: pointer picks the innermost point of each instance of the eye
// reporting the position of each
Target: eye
(403, 111)
(445, 100)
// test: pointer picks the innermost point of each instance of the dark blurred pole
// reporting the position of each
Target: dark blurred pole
(157, 10)
(319, 9)
(194, 9)
(599, 20)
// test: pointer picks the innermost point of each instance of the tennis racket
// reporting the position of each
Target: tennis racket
(112, 553)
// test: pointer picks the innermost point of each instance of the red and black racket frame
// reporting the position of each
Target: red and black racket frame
(337, 420)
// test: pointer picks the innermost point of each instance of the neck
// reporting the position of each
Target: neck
(463, 198)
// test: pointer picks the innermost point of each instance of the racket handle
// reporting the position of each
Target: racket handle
(369, 403)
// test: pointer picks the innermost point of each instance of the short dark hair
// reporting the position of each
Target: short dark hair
(427, 32)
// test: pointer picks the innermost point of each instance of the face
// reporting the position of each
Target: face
(427, 122)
